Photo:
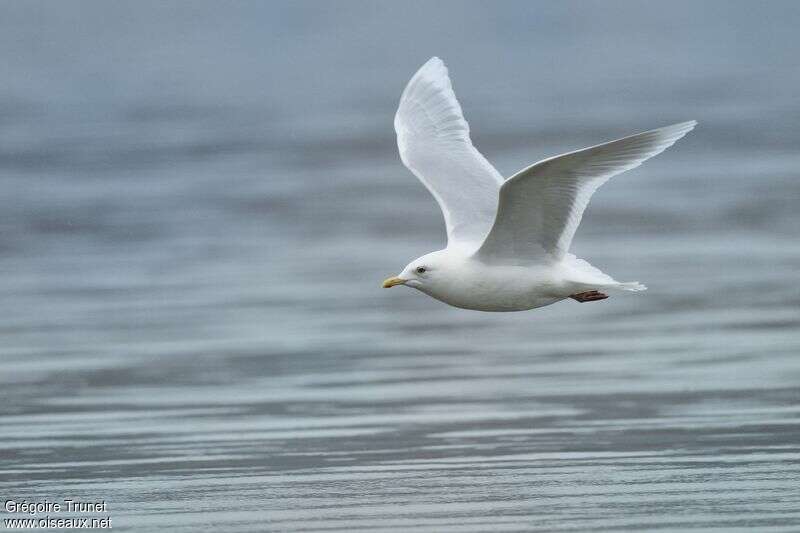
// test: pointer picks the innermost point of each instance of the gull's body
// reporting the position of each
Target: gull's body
(459, 279)
(508, 240)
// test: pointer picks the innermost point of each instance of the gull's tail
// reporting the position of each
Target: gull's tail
(585, 274)
(629, 286)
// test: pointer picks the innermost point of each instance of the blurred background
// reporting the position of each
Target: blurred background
(200, 200)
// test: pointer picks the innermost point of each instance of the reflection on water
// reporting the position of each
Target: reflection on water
(197, 215)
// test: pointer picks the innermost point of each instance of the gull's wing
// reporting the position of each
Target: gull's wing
(434, 144)
(541, 206)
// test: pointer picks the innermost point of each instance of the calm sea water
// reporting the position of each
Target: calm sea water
(200, 201)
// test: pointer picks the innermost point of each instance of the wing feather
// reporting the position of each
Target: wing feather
(434, 143)
(541, 206)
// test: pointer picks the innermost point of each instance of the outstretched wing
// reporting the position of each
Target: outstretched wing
(541, 206)
(434, 144)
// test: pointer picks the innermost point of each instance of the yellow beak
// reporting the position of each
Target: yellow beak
(391, 282)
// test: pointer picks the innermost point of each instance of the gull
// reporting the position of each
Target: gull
(507, 240)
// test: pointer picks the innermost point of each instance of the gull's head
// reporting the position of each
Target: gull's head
(423, 273)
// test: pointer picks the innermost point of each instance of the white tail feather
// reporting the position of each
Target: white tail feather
(631, 286)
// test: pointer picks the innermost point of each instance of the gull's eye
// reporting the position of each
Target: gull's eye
(420, 270)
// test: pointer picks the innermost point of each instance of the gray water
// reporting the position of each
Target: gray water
(200, 201)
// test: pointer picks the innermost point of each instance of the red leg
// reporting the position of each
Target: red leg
(589, 296)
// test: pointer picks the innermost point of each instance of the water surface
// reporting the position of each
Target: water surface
(201, 200)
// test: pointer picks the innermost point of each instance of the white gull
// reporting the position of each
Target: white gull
(507, 240)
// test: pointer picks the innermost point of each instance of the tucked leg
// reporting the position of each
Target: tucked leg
(589, 296)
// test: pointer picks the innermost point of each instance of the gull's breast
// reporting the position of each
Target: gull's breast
(497, 288)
